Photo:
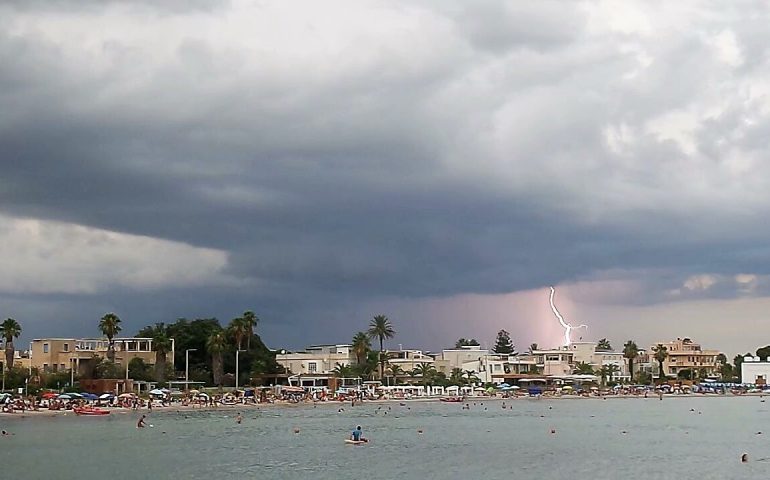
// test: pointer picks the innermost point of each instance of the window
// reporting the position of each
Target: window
(312, 367)
(552, 358)
(45, 367)
(61, 367)
(66, 347)
(45, 348)
(55, 368)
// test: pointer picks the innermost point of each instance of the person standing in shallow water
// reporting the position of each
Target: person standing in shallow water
(140, 423)
(238, 418)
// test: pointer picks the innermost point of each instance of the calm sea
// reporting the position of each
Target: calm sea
(663, 439)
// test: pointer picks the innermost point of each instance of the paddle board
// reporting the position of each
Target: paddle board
(355, 442)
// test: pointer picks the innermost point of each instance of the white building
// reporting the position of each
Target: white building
(456, 357)
(755, 371)
(408, 360)
(316, 359)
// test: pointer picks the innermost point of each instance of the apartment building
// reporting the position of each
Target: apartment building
(62, 354)
(316, 359)
(684, 354)
(408, 360)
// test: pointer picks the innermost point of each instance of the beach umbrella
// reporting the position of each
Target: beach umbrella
(49, 395)
(126, 395)
(157, 392)
(75, 395)
(514, 387)
(503, 385)
(64, 396)
(195, 392)
(89, 396)
(106, 396)
(203, 395)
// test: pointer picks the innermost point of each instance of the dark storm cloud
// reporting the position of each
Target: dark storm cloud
(483, 148)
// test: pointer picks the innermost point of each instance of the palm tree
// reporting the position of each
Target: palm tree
(610, 370)
(630, 351)
(361, 346)
(661, 353)
(583, 368)
(250, 320)
(456, 375)
(395, 371)
(343, 371)
(425, 371)
(9, 330)
(110, 327)
(215, 345)
(471, 374)
(239, 328)
(161, 343)
(381, 328)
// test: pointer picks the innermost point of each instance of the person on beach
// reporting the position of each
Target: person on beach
(140, 423)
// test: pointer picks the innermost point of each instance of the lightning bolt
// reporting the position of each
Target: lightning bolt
(567, 327)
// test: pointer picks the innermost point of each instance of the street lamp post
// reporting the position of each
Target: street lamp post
(187, 367)
(236, 368)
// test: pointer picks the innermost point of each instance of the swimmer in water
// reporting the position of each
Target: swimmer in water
(140, 423)
(745, 458)
(238, 418)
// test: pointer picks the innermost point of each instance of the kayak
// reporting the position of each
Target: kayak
(355, 442)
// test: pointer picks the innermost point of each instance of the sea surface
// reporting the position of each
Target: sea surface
(681, 438)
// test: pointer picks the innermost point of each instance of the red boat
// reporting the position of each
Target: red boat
(451, 399)
(90, 411)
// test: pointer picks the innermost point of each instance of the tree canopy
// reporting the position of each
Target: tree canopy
(464, 342)
(503, 344)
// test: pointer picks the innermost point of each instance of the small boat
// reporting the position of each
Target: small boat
(90, 411)
(356, 442)
(451, 399)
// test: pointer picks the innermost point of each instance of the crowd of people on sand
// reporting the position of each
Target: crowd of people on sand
(53, 401)
(48, 401)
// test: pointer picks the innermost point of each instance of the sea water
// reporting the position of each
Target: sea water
(681, 438)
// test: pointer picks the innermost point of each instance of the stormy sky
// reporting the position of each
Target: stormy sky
(441, 162)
